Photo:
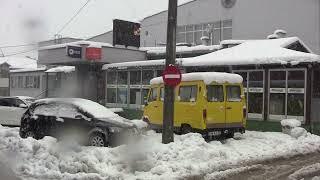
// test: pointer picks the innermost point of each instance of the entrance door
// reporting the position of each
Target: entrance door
(277, 96)
(255, 95)
(234, 107)
(216, 112)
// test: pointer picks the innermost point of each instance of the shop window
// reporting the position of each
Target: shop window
(277, 104)
(244, 77)
(256, 79)
(189, 37)
(122, 77)
(233, 93)
(181, 37)
(187, 93)
(153, 95)
(255, 103)
(197, 37)
(111, 95)
(144, 95)
(215, 93)
(135, 96)
(189, 28)
(112, 77)
(122, 95)
(277, 79)
(20, 81)
(227, 33)
(147, 76)
(295, 104)
(296, 79)
(216, 36)
(135, 77)
(316, 84)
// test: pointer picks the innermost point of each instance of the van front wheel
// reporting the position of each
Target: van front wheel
(186, 128)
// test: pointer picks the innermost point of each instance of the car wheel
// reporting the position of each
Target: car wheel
(186, 128)
(230, 135)
(98, 140)
(28, 133)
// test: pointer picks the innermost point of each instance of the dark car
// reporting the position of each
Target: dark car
(83, 120)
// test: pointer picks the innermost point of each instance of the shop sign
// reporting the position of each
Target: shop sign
(126, 33)
(111, 86)
(278, 90)
(296, 90)
(122, 86)
(74, 51)
(135, 86)
(93, 53)
(256, 90)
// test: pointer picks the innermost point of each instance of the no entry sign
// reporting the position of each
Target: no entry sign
(171, 75)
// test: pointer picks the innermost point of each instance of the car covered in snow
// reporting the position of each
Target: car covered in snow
(12, 108)
(85, 121)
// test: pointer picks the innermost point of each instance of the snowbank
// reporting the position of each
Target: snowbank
(65, 69)
(207, 77)
(311, 171)
(291, 123)
(147, 158)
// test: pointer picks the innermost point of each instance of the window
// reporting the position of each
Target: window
(215, 93)
(111, 95)
(316, 84)
(296, 79)
(20, 81)
(57, 110)
(135, 96)
(112, 77)
(135, 77)
(233, 93)
(4, 102)
(162, 94)
(153, 95)
(277, 79)
(147, 76)
(144, 95)
(122, 95)
(32, 82)
(122, 77)
(187, 93)
(256, 79)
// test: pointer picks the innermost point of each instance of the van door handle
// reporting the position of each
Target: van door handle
(155, 106)
(228, 107)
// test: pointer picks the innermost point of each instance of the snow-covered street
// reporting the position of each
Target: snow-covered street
(188, 157)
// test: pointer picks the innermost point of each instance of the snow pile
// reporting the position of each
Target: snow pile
(309, 171)
(147, 158)
(181, 49)
(65, 69)
(291, 123)
(207, 77)
(292, 128)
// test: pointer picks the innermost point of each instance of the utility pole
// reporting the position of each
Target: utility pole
(168, 108)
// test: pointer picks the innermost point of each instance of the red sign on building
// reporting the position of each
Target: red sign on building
(93, 53)
(171, 75)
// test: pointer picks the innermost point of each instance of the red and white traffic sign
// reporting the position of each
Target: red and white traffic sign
(171, 75)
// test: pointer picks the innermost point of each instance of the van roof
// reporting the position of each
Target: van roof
(206, 77)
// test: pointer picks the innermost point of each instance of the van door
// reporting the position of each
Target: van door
(234, 106)
(153, 109)
(216, 112)
(187, 110)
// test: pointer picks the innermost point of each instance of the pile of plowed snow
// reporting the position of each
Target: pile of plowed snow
(147, 158)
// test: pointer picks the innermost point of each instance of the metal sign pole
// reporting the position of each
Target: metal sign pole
(168, 108)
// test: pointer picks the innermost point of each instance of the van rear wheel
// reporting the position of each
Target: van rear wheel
(186, 128)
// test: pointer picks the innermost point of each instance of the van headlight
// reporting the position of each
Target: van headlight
(115, 129)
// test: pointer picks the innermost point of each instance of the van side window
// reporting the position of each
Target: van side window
(188, 93)
(153, 95)
(215, 93)
(233, 93)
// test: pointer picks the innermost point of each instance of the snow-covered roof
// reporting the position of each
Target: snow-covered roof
(180, 49)
(251, 52)
(19, 62)
(65, 69)
(134, 64)
(78, 43)
(206, 77)
(42, 68)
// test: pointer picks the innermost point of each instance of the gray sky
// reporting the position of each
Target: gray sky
(27, 21)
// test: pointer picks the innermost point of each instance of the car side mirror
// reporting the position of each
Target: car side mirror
(23, 106)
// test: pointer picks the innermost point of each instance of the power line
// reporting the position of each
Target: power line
(78, 12)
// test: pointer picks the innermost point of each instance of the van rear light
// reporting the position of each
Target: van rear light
(244, 113)
(204, 114)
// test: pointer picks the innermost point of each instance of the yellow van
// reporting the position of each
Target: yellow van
(211, 103)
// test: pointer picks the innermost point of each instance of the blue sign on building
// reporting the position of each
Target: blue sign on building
(74, 51)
